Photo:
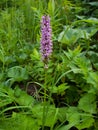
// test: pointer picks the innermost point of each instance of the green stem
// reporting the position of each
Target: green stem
(44, 105)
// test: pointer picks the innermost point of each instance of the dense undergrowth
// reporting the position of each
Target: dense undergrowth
(65, 96)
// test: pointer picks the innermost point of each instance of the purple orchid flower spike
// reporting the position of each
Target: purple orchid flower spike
(46, 40)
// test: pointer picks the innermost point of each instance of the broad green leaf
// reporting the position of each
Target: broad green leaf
(62, 114)
(93, 79)
(69, 36)
(92, 20)
(77, 119)
(22, 98)
(85, 122)
(66, 127)
(88, 32)
(51, 114)
(21, 57)
(19, 121)
(88, 103)
(17, 92)
(17, 73)
(8, 95)
(96, 65)
(72, 115)
(93, 3)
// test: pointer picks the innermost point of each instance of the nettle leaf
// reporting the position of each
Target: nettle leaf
(88, 103)
(17, 73)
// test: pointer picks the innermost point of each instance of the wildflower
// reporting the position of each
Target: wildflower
(46, 41)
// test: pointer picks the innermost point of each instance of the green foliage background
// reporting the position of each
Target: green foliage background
(72, 77)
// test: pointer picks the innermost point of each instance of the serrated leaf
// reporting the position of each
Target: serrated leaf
(6, 96)
(35, 55)
(59, 89)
